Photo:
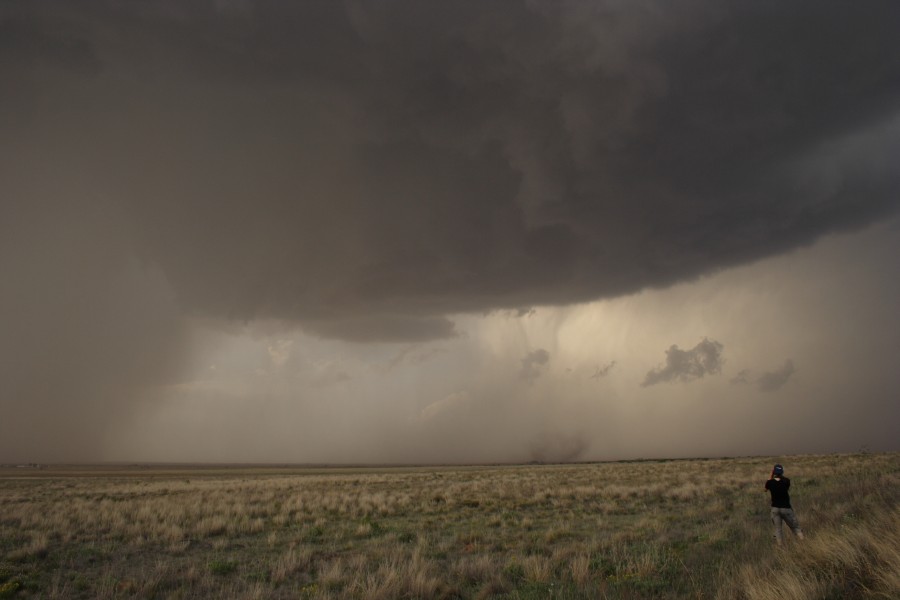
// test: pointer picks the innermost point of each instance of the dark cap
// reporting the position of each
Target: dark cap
(778, 470)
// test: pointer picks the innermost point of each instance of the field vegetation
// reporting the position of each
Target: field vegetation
(643, 529)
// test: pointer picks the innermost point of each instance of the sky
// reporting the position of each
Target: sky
(447, 232)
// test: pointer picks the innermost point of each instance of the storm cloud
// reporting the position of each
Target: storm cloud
(367, 169)
(374, 172)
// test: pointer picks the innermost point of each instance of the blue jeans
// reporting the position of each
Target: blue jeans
(785, 515)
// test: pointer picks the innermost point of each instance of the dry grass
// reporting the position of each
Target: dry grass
(651, 529)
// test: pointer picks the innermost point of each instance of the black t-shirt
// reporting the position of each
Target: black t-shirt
(779, 491)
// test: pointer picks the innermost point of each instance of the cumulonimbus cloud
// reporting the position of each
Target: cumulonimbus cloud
(686, 365)
(366, 169)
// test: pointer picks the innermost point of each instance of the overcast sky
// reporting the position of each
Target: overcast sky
(424, 231)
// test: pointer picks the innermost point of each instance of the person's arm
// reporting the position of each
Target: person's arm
(771, 477)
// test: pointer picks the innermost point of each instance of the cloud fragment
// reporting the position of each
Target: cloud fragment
(743, 377)
(774, 380)
(604, 370)
(532, 364)
(687, 365)
(770, 381)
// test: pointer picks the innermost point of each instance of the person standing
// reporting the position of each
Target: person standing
(778, 485)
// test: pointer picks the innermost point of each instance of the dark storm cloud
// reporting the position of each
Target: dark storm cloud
(686, 365)
(367, 170)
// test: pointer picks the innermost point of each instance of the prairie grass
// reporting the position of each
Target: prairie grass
(642, 529)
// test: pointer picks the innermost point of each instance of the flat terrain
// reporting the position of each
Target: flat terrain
(645, 529)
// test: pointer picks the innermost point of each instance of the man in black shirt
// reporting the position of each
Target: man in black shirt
(778, 485)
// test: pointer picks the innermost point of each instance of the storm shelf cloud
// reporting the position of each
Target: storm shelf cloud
(374, 172)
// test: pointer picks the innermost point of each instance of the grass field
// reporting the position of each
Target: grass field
(645, 529)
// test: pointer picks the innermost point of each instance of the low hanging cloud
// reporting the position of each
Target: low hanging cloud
(769, 381)
(687, 365)
(366, 169)
(532, 363)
